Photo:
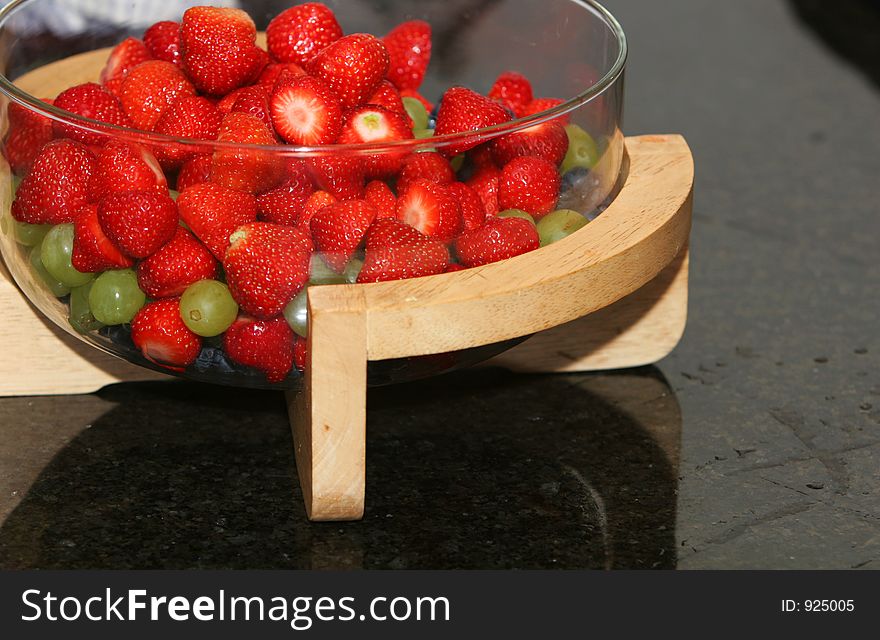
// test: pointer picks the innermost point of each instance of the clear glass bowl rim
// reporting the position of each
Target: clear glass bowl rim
(33, 103)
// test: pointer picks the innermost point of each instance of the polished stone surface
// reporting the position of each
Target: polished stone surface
(755, 444)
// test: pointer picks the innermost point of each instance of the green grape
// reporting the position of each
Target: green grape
(81, 317)
(352, 270)
(174, 195)
(516, 213)
(320, 273)
(297, 314)
(423, 134)
(30, 235)
(457, 162)
(417, 112)
(558, 225)
(58, 289)
(55, 253)
(115, 297)
(208, 308)
(582, 150)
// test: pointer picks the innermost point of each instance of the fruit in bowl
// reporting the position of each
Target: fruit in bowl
(186, 197)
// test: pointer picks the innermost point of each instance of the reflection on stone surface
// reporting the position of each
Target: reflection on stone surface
(578, 471)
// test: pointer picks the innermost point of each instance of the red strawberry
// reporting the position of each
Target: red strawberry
(138, 222)
(430, 208)
(425, 166)
(255, 101)
(298, 33)
(396, 251)
(380, 195)
(266, 345)
(149, 89)
(454, 266)
(389, 97)
(411, 93)
(218, 49)
(300, 353)
(341, 175)
(93, 101)
(464, 110)
(353, 67)
(161, 335)
(246, 169)
(547, 140)
(373, 125)
(213, 212)
(163, 41)
(485, 184)
(530, 184)
(389, 232)
(266, 265)
(499, 239)
(315, 202)
(195, 171)
(126, 167)
(57, 186)
(125, 56)
(190, 117)
(339, 229)
(472, 213)
(513, 90)
(542, 104)
(481, 156)
(29, 132)
(92, 249)
(261, 60)
(177, 264)
(284, 204)
(409, 50)
(306, 112)
(273, 72)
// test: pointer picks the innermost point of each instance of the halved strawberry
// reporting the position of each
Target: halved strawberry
(298, 33)
(163, 41)
(192, 117)
(161, 335)
(138, 222)
(306, 112)
(125, 56)
(389, 97)
(499, 239)
(430, 208)
(249, 170)
(341, 175)
(266, 345)
(427, 165)
(409, 51)
(213, 212)
(547, 140)
(380, 195)
(396, 251)
(93, 101)
(92, 249)
(266, 265)
(284, 204)
(513, 90)
(177, 264)
(463, 110)
(126, 167)
(273, 72)
(194, 171)
(29, 132)
(339, 229)
(484, 182)
(149, 89)
(353, 67)
(313, 204)
(472, 213)
(57, 186)
(530, 184)
(372, 125)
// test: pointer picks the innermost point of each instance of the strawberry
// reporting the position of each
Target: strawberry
(92, 249)
(389, 97)
(485, 184)
(306, 112)
(499, 239)
(149, 89)
(190, 117)
(161, 335)
(29, 132)
(177, 264)
(126, 167)
(380, 195)
(339, 229)
(246, 169)
(463, 110)
(213, 212)
(313, 204)
(481, 156)
(125, 56)
(138, 222)
(454, 266)
(513, 90)
(255, 101)
(266, 265)
(92, 101)
(194, 171)
(547, 140)
(542, 104)
(218, 49)
(430, 208)
(374, 125)
(425, 166)
(284, 204)
(341, 175)
(266, 345)
(273, 72)
(530, 184)
(412, 93)
(300, 353)
(409, 51)
(390, 232)
(298, 33)
(57, 186)
(353, 67)
(163, 41)
(472, 213)
(396, 251)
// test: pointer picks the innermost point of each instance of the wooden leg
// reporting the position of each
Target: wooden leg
(328, 417)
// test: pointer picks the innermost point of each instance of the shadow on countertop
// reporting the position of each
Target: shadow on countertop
(487, 470)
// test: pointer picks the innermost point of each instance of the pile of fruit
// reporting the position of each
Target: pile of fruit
(189, 246)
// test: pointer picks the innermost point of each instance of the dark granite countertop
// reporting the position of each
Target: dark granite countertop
(755, 444)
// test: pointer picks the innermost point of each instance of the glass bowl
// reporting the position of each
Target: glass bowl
(571, 50)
